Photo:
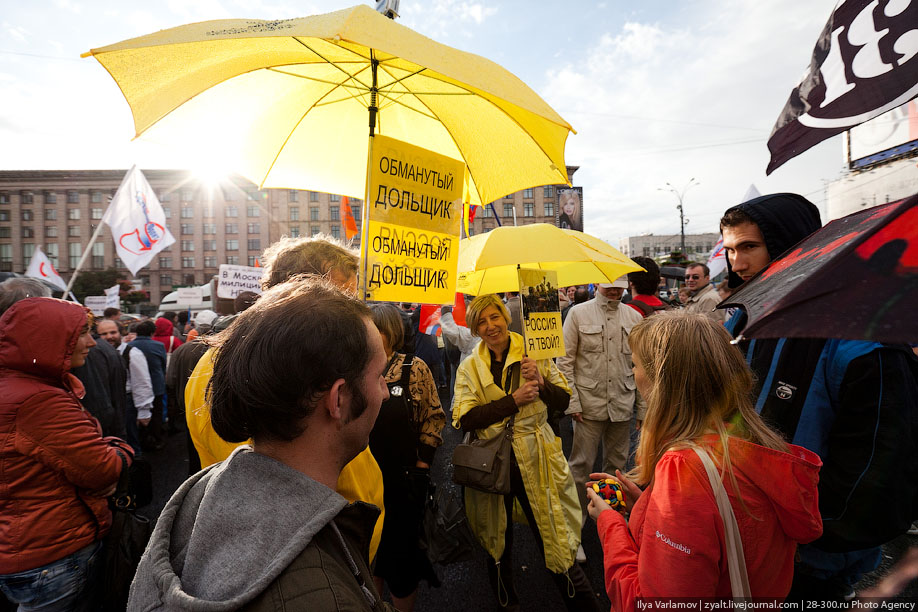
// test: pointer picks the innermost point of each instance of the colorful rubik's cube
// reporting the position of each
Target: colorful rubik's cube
(611, 491)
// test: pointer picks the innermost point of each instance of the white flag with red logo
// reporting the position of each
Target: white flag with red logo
(137, 221)
(40, 267)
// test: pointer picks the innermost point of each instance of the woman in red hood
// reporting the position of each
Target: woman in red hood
(164, 335)
(56, 469)
(698, 389)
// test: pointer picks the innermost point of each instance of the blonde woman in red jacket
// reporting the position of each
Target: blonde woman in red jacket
(56, 469)
(698, 388)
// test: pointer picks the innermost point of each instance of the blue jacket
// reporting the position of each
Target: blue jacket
(155, 353)
(855, 404)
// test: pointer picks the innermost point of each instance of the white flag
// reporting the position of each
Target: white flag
(137, 222)
(40, 267)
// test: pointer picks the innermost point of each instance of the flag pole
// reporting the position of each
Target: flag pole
(92, 241)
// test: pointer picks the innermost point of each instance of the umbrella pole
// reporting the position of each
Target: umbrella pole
(365, 223)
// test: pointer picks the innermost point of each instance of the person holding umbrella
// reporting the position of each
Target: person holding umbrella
(541, 481)
(854, 403)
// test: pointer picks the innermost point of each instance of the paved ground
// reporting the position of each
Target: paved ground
(465, 585)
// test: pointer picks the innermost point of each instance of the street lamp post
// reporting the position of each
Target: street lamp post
(680, 195)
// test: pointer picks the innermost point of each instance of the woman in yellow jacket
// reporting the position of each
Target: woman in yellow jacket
(541, 481)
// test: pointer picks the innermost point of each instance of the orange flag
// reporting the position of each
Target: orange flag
(459, 310)
(350, 225)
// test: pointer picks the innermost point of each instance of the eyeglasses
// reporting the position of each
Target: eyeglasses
(692, 277)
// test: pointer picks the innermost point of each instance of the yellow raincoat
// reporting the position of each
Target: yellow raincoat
(546, 475)
(361, 479)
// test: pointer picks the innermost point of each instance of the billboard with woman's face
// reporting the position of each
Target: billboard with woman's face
(570, 208)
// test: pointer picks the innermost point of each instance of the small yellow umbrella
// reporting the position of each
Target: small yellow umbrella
(296, 98)
(488, 262)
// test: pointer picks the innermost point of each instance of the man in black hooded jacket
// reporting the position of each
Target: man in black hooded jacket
(855, 403)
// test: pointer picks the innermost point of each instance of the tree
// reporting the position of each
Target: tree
(95, 282)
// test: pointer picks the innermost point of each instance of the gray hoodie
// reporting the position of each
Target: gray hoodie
(229, 531)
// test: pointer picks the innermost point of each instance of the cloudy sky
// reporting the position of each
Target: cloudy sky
(658, 91)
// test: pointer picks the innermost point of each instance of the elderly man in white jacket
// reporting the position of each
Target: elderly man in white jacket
(597, 364)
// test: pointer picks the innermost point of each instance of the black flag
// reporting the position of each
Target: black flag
(864, 64)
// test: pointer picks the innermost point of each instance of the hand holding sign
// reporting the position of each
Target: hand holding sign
(527, 393)
(529, 370)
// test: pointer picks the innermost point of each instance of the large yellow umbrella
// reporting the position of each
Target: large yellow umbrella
(488, 262)
(299, 97)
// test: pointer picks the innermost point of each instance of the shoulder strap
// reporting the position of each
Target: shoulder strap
(736, 562)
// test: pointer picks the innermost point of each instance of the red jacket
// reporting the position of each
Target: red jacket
(674, 544)
(164, 335)
(52, 453)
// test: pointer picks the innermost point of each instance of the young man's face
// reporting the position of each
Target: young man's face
(695, 278)
(745, 248)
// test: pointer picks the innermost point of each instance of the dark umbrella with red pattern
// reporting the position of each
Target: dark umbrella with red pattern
(856, 278)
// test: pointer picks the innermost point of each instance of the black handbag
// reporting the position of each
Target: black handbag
(129, 535)
(447, 537)
(484, 465)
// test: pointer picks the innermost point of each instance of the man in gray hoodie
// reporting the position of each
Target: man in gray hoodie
(265, 529)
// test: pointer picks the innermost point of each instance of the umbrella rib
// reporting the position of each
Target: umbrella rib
(334, 64)
(317, 80)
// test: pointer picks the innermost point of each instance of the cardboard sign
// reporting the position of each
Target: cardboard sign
(541, 308)
(411, 246)
(236, 279)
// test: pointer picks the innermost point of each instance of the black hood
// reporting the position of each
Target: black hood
(784, 220)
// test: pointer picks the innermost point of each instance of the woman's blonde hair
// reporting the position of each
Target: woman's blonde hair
(477, 306)
(698, 383)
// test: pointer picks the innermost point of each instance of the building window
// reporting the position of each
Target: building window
(52, 253)
(336, 231)
(27, 215)
(95, 197)
(5, 232)
(5, 199)
(355, 210)
(167, 212)
(98, 255)
(50, 197)
(313, 213)
(6, 257)
(334, 197)
(50, 231)
(508, 211)
(230, 194)
(232, 260)
(165, 196)
(314, 230)
(294, 231)
(73, 231)
(4, 215)
(188, 279)
(95, 213)
(209, 228)
(547, 191)
(488, 210)
(293, 195)
(187, 262)
(232, 245)
(187, 245)
(210, 261)
(28, 232)
(26, 197)
(73, 197)
(549, 209)
(187, 212)
(74, 251)
(253, 260)
(528, 209)
(334, 213)
(231, 211)
(165, 262)
(187, 229)
(210, 245)
(527, 193)
(313, 196)
(253, 228)
(251, 195)
(252, 211)
(73, 214)
(208, 212)
(254, 244)
(50, 214)
(28, 249)
(187, 195)
(232, 228)
(294, 213)
(165, 280)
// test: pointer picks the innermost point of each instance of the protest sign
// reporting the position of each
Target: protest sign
(411, 246)
(189, 295)
(233, 280)
(542, 335)
(96, 303)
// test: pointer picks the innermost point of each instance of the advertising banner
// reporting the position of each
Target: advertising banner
(542, 335)
(570, 208)
(411, 247)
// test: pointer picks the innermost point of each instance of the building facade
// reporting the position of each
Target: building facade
(229, 221)
(697, 246)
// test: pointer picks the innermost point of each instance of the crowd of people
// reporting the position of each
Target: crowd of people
(765, 469)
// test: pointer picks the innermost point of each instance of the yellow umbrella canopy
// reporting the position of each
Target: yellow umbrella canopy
(291, 97)
(488, 262)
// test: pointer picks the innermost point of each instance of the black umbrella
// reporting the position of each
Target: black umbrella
(856, 278)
